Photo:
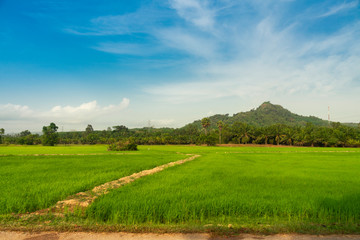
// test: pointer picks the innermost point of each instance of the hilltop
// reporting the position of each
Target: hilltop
(265, 115)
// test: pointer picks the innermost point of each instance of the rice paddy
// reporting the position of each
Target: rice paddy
(30, 183)
(321, 188)
(286, 189)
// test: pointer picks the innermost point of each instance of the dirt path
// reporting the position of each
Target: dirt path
(84, 199)
(153, 236)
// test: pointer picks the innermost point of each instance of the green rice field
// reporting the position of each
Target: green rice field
(31, 182)
(266, 189)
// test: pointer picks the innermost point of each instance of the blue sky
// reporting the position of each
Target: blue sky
(170, 62)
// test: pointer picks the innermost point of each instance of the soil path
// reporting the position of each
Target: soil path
(84, 199)
(153, 236)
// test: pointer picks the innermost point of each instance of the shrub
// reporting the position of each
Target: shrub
(210, 139)
(123, 146)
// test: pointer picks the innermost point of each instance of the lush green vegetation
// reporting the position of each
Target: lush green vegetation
(29, 182)
(265, 115)
(269, 124)
(293, 188)
(59, 149)
(267, 189)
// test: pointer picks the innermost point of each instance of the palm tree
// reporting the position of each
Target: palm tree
(290, 134)
(220, 125)
(263, 134)
(242, 131)
(309, 131)
(277, 132)
(2, 132)
(205, 122)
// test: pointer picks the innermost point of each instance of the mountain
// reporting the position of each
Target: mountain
(265, 115)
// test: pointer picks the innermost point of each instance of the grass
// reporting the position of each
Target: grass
(29, 183)
(288, 190)
(60, 149)
(255, 189)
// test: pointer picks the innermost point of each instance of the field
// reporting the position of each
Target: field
(30, 182)
(234, 189)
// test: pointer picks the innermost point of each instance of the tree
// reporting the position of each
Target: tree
(205, 122)
(25, 133)
(310, 136)
(120, 130)
(277, 132)
(220, 125)
(89, 129)
(290, 134)
(92, 138)
(2, 132)
(264, 134)
(243, 132)
(50, 136)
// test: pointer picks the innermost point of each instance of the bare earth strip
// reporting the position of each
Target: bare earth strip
(84, 199)
(153, 236)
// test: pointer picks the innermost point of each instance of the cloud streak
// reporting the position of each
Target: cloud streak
(83, 113)
(270, 61)
(195, 12)
(270, 57)
(340, 8)
(250, 49)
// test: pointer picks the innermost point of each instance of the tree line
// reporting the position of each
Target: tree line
(334, 135)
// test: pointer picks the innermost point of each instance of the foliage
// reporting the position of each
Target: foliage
(209, 139)
(89, 129)
(336, 135)
(50, 136)
(268, 124)
(220, 125)
(2, 132)
(205, 122)
(123, 146)
(265, 115)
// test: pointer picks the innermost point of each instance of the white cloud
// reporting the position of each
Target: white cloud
(149, 21)
(266, 55)
(137, 22)
(62, 115)
(196, 12)
(188, 42)
(278, 65)
(113, 108)
(340, 8)
(11, 111)
(84, 112)
(127, 48)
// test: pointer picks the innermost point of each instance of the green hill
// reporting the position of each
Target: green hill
(265, 115)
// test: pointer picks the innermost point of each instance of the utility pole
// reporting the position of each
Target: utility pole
(329, 115)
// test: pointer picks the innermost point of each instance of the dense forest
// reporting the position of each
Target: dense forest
(268, 124)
